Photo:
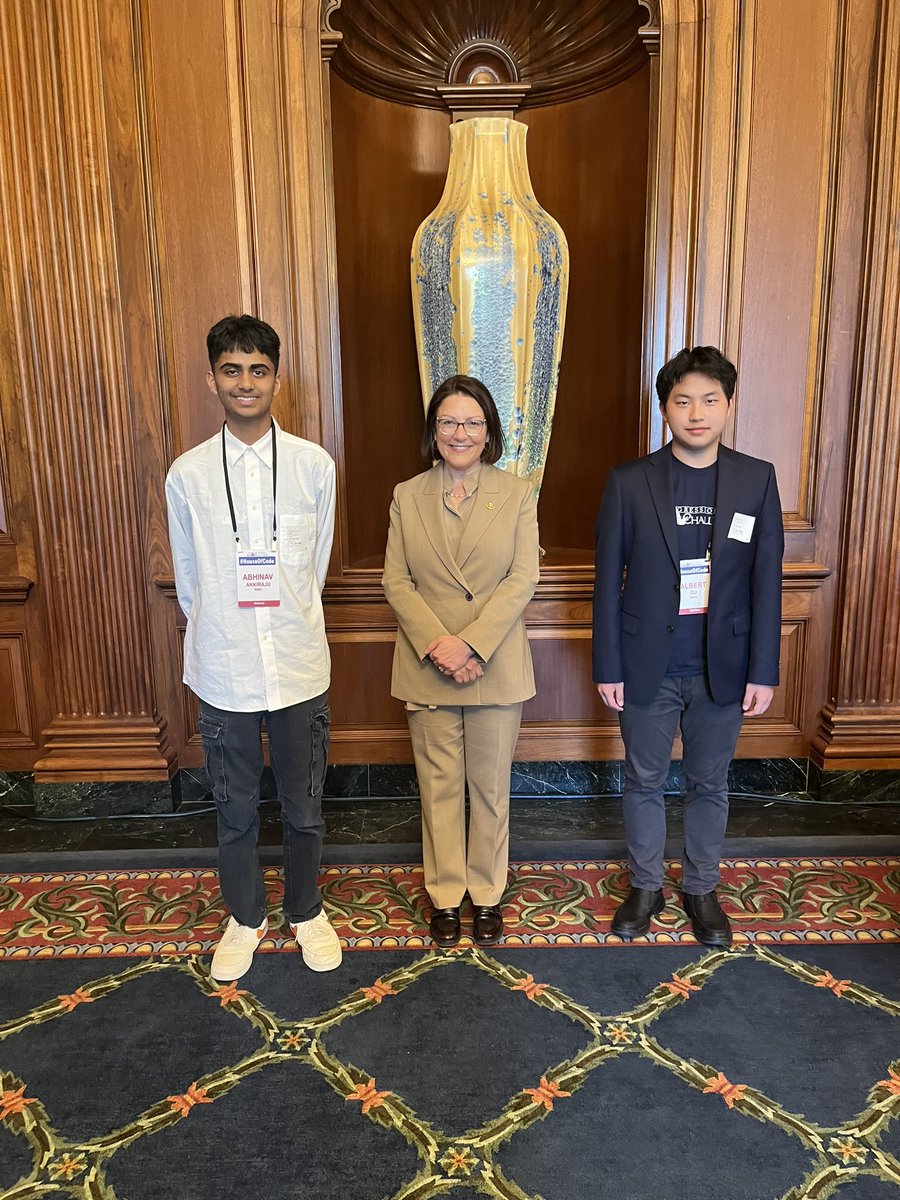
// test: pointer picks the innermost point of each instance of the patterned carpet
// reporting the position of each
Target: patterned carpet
(785, 901)
(537, 1070)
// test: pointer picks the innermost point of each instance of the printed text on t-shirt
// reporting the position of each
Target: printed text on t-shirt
(694, 514)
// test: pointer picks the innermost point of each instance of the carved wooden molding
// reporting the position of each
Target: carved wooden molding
(863, 721)
(104, 749)
(15, 589)
(404, 52)
(557, 584)
(60, 258)
(857, 738)
(483, 100)
(649, 31)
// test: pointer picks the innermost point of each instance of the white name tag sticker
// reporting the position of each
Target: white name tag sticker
(257, 580)
(695, 578)
(295, 537)
(741, 527)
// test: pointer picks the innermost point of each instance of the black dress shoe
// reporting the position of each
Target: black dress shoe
(709, 923)
(444, 926)
(632, 917)
(487, 924)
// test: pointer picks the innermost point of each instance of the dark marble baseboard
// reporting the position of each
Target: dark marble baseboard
(849, 787)
(588, 779)
(387, 782)
(102, 799)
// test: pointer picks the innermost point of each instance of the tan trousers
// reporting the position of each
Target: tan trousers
(472, 744)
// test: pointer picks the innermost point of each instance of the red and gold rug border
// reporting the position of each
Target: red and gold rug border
(564, 902)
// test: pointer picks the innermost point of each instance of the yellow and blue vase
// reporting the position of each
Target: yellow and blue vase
(490, 275)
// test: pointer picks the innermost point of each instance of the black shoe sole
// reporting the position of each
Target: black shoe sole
(717, 943)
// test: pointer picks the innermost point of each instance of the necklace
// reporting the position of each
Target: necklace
(452, 494)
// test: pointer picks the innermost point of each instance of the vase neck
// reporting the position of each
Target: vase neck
(488, 154)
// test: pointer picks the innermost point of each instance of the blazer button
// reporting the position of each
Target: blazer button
(676, 587)
(469, 596)
(670, 629)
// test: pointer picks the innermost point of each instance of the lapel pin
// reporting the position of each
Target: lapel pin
(489, 504)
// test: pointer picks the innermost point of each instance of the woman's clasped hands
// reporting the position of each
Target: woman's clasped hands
(455, 658)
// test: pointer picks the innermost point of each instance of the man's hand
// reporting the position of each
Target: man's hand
(612, 695)
(469, 673)
(757, 699)
(449, 653)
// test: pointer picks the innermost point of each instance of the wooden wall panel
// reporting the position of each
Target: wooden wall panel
(588, 163)
(390, 162)
(16, 701)
(795, 53)
(199, 192)
(77, 460)
(166, 161)
(562, 667)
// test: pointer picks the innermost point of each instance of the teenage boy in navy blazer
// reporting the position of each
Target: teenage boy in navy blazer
(687, 623)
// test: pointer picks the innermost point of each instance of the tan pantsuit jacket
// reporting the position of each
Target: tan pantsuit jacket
(480, 596)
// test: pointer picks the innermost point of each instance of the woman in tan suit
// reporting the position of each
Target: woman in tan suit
(460, 567)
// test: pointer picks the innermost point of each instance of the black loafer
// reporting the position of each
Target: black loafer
(709, 923)
(444, 926)
(632, 917)
(487, 924)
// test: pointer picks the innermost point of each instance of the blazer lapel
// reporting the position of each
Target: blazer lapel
(726, 500)
(489, 499)
(659, 480)
(430, 503)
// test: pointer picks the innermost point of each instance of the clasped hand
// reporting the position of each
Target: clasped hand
(455, 658)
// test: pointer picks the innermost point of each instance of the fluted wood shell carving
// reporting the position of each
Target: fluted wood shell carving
(404, 50)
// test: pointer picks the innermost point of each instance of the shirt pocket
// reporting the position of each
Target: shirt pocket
(297, 539)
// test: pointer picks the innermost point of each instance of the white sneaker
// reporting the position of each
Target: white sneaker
(319, 943)
(234, 953)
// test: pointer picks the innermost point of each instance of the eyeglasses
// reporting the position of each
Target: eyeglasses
(446, 426)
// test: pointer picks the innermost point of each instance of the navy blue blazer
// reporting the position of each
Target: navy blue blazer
(636, 535)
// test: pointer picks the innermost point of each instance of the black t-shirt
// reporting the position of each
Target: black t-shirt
(695, 511)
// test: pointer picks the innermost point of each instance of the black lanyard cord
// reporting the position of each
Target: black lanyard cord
(234, 527)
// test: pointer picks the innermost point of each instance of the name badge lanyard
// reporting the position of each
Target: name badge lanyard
(274, 488)
(257, 572)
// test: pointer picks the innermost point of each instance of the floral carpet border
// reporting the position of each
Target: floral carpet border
(134, 913)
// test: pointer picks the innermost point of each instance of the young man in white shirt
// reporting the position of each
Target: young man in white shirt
(251, 521)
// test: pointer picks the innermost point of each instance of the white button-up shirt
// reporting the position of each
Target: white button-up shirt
(252, 659)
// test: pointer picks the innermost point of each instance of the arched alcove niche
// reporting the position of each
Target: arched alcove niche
(709, 187)
(581, 79)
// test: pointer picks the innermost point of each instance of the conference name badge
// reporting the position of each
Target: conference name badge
(257, 580)
(695, 576)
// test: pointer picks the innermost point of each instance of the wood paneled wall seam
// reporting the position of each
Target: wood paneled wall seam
(62, 300)
(860, 727)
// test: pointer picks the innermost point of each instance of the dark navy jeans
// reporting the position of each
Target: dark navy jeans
(709, 733)
(298, 752)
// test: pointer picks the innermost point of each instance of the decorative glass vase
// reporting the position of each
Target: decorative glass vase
(490, 275)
